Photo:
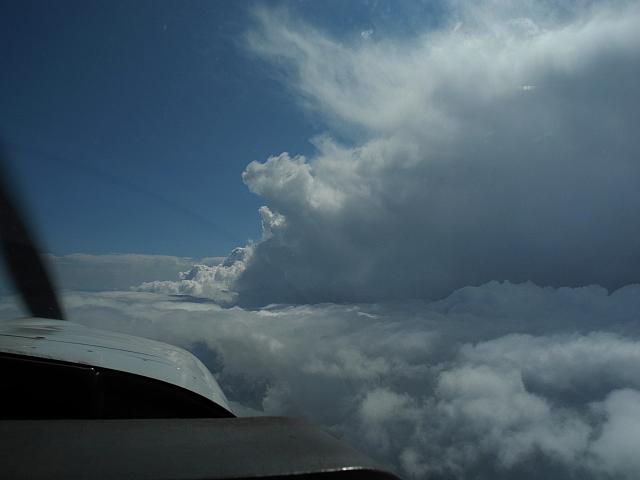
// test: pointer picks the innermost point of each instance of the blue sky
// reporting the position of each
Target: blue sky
(129, 123)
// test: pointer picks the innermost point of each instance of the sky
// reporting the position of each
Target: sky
(413, 223)
(128, 124)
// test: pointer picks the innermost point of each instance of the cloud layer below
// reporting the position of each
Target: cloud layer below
(497, 381)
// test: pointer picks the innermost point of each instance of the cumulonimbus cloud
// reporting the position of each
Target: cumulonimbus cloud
(500, 146)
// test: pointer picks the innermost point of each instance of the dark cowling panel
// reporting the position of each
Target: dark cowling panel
(214, 449)
(39, 388)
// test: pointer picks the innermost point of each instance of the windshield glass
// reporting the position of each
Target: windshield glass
(413, 223)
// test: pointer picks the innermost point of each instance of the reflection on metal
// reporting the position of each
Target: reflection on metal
(73, 343)
(263, 447)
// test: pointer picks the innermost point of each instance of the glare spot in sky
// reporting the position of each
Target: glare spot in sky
(366, 34)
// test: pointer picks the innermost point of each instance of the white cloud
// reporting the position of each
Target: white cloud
(615, 446)
(493, 410)
(209, 281)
